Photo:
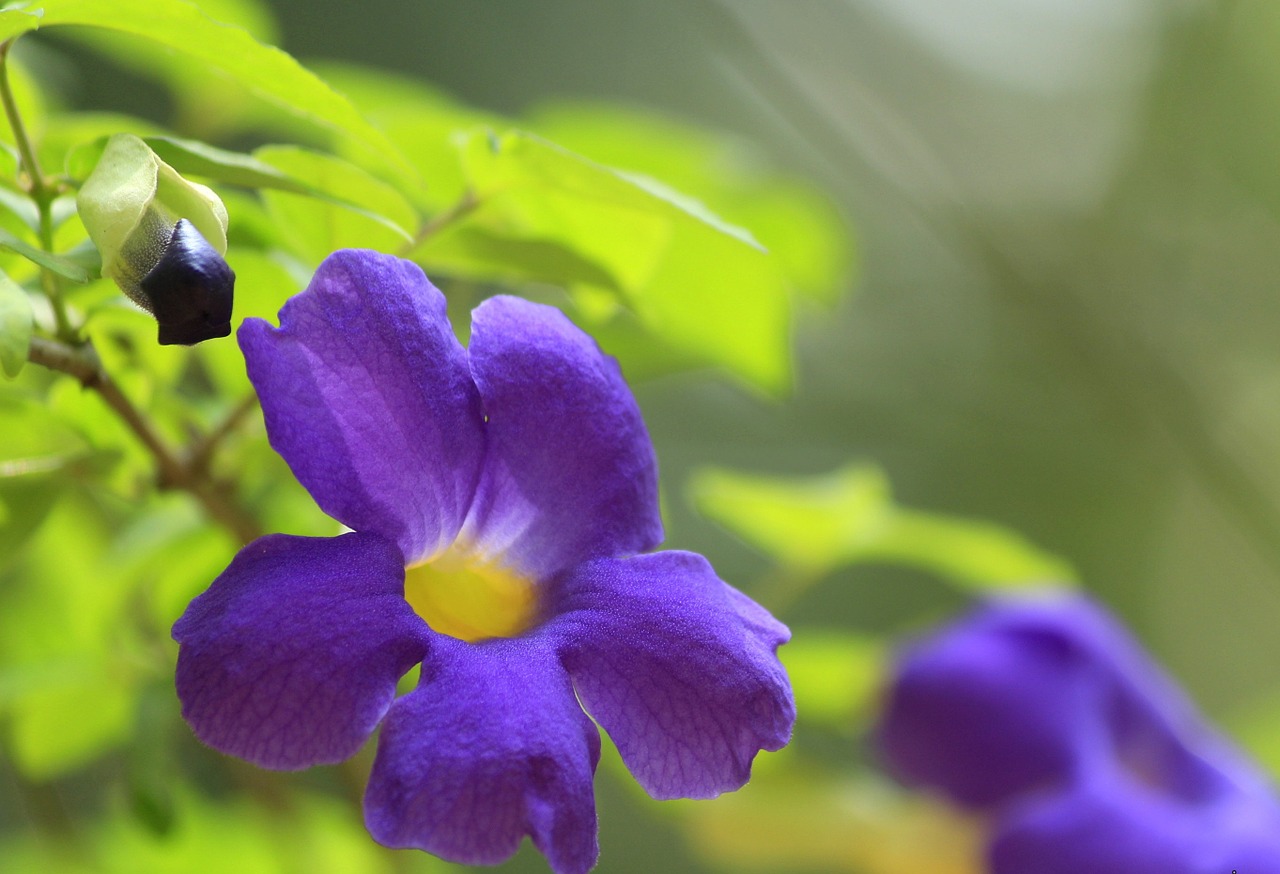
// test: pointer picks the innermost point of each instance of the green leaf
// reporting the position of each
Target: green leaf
(485, 255)
(700, 283)
(25, 502)
(15, 326)
(40, 457)
(14, 22)
(973, 553)
(818, 524)
(64, 267)
(641, 354)
(265, 71)
(185, 156)
(207, 107)
(32, 105)
(75, 141)
(804, 231)
(34, 432)
(31, 484)
(21, 207)
(362, 211)
(232, 168)
(794, 220)
(421, 121)
(336, 181)
(97, 423)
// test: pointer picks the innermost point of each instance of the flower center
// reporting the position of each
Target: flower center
(471, 600)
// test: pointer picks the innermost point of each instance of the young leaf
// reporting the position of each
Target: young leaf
(362, 211)
(15, 326)
(191, 157)
(14, 22)
(64, 267)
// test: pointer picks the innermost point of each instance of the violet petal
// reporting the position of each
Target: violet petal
(679, 667)
(367, 394)
(491, 746)
(570, 472)
(291, 656)
(1110, 827)
(1024, 694)
(986, 711)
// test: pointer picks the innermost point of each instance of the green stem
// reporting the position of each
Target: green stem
(438, 222)
(50, 281)
(201, 452)
(40, 191)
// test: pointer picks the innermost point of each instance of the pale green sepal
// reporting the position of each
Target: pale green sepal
(194, 202)
(130, 203)
(116, 195)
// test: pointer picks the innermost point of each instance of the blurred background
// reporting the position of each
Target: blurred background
(1050, 306)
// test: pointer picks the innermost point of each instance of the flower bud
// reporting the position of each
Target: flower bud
(161, 238)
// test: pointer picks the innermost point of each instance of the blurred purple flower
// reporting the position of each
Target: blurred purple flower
(1046, 715)
(517, 472)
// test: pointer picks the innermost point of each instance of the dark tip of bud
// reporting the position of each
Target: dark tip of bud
(190, 289)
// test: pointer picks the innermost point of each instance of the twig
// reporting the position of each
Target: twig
(174, 472)
(441, 220)
(201, 452)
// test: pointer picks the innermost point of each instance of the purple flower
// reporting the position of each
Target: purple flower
(500, 497)
(1047, 716)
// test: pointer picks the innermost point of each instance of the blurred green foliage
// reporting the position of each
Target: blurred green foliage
(15, 326)
(814, 526)
(808, 820)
